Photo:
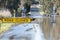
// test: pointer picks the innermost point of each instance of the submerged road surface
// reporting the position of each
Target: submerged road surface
(27, 31)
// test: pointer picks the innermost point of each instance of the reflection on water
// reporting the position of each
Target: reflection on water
(27, 31)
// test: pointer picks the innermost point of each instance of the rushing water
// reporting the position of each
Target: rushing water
(27, 31)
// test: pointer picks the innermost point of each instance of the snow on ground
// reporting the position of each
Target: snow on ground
(31, 31)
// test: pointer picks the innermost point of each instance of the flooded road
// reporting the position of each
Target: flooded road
(27, 31)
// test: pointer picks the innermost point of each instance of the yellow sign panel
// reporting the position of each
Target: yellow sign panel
(16, 20)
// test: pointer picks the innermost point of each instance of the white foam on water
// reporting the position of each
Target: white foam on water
(34, 32)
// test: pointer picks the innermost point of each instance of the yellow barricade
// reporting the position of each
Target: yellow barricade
(16, 20)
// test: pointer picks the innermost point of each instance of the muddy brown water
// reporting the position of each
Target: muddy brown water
(51, 33)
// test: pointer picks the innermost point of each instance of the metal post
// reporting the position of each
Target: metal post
(14, 13)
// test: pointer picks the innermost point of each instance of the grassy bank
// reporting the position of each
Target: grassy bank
(5, 26)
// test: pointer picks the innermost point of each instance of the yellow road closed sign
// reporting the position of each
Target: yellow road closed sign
(16, 20)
